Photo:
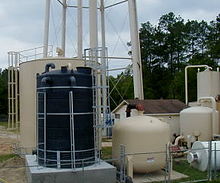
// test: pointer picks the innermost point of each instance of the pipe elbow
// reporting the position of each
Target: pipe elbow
(48, 66)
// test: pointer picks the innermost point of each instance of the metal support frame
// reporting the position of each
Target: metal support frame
(99, 107)
(122, 164)
(13, 90)
(209, 161)
(45, 128)
(72, 132)
(58, 154)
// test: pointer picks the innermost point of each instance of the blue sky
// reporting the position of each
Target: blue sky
(21, 23)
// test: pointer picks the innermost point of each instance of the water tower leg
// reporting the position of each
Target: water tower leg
(136, 53)
(46, 27)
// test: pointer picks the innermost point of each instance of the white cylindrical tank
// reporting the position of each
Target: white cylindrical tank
(196, 122)
(198, 157)
(208, 84)
(27, 87)
(142, 134)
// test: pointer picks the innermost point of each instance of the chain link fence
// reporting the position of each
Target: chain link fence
(173, 165)
(176, 167)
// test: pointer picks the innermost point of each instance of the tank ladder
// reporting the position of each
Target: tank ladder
(101, 102)
(13, 90)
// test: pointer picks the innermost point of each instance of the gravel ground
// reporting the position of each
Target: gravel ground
(11, 170)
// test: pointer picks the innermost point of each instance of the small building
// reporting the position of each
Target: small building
(167, 110)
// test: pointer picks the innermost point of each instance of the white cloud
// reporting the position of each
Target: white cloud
(21, 22)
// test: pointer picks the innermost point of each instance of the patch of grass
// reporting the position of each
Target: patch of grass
(3, 123)
(7, 157)
(106, 153)
(184, 167)
(106, 139)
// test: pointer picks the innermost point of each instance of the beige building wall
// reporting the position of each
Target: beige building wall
(28, 71)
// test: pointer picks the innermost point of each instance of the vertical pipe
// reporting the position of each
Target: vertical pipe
(103, 58)
(9, 87)
(80, 29)
(93, 24)
(46, 27)
(136, 53)
(16, 90)
(12, 92)
(63, 32)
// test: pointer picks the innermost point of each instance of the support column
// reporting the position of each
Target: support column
(63, 36)
(80, 29)
(93, 24)
(103, 57)
(46, 28)
(136, 53)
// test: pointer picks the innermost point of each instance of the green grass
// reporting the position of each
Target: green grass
(6, 157)
(3, 123)
(184, 167)
(181, 166)
(106, 153)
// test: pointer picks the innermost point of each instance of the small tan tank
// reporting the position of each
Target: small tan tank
(197, 122)
(142, 134)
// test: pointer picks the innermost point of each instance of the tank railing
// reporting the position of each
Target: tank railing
(34, 53)
(59, 154)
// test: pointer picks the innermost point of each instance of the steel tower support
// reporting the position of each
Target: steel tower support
(136, 53)
(63, 34)
(46, 27)
(80, 29)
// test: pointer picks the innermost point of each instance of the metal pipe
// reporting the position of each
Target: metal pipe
(63, 32)
(186, 79)
(46, 27)
(115, 4)
(178, 139)
(103, 59)
(215, 124)
(80, 29)
(136, 53)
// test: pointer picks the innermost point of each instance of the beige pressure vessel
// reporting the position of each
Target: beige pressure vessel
(142, 134)
(196, 122)
(28, 71)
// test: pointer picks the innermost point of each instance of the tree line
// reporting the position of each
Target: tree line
(3, 92)
(166, 49)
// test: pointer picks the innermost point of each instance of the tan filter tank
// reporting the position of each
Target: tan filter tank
(28, 71)
(196, 122)
(142, 134)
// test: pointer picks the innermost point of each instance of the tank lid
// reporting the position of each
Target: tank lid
(84, 70)
(64, 69)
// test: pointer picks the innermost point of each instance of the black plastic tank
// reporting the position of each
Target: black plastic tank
(65, 118)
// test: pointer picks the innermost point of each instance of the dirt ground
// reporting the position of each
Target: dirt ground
(11, 170)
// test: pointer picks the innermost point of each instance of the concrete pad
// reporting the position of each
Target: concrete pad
(157, 176)
(97, 173)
